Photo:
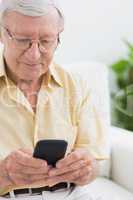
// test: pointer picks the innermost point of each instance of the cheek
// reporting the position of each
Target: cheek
(11, 55)
(46, 60)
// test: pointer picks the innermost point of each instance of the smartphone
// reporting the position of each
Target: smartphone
(50, 150)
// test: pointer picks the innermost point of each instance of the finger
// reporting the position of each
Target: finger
(82, 180)
(71, 176)
(20, 179)
(39, 183)
(54, 180)
(76, 155)
(85, 178)
(45, 182)
(33, 178)
(27, 160)
(74, 166)
(27, 151)
(71, 158)
(31, 171)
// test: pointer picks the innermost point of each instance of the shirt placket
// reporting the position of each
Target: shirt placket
(40, 115)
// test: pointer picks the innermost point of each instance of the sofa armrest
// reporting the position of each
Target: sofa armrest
(122, 157)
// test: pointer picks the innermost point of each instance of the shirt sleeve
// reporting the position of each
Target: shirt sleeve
(92, 131)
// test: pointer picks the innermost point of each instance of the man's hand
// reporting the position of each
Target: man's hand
(78, 167)
(21, 169)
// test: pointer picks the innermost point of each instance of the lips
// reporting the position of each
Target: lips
(32, 65)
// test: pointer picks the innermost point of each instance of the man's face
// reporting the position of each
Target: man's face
(31, 63)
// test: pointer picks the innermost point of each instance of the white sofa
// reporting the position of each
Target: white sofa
(115, 181)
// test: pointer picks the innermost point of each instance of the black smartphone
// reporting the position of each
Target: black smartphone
(50, 150)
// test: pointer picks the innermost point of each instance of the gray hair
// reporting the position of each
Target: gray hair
(30, 7)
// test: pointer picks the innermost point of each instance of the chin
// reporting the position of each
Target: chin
(31, 73)
(30, 76)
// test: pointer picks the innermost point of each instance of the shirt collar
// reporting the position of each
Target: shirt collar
(2, 63)
(55, 74)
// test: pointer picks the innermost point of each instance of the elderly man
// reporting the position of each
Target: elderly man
(40, 100)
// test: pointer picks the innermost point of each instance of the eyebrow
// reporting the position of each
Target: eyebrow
(25, 36)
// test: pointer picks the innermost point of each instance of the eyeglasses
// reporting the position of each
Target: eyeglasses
(25, 43)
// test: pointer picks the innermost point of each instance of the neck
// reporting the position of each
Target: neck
(27, 86)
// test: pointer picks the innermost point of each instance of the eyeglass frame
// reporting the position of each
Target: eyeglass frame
(42, 48)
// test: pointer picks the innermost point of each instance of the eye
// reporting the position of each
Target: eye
(45, 41)
(22, 41)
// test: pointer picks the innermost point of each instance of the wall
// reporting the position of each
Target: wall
(94, 30)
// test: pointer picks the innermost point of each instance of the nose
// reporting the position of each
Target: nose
(33, 53)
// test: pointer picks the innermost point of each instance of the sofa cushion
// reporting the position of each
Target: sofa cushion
(122, 162)
(105, 189)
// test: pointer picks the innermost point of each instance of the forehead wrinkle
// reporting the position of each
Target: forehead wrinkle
(33, 25)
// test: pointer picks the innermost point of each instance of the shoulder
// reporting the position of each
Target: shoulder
(72, 80)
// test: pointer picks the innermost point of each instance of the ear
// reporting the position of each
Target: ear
(61, 25)
(1, 36)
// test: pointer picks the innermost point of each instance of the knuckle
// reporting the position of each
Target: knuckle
(76, 155)
(75, 175)
(8, 165)
(88, 169)
(71, 167)
(14, 154)
(12, 175)
(66, 177)
(83, 180)
(11, 168)
(13, 178)
(26, 161)
(30, 177)
(81, 164)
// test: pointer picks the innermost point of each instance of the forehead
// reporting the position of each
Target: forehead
(31, 26)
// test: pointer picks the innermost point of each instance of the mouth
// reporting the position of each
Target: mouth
(32, 65)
